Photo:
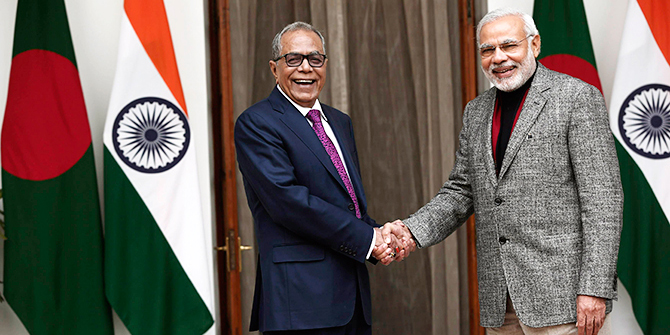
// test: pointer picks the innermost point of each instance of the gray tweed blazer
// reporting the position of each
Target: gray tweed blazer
(548, 226)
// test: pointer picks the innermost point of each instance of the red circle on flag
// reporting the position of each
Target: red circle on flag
(573, 66)
(45, 130)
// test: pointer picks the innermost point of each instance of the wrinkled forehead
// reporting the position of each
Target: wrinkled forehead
(503, 30)
(301, 41)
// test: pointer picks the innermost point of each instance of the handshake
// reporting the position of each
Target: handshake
(393, 242)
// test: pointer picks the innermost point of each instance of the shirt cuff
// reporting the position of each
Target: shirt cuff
(372, 245)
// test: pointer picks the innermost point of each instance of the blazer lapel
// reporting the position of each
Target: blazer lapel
(299, 125)
(532, 107)
(489, 105)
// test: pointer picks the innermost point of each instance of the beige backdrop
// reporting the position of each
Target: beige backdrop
(393, 66)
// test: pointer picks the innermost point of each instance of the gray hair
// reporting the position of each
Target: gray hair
(528, 23)
(298, 25)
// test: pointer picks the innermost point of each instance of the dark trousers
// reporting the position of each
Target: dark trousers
(357, 326)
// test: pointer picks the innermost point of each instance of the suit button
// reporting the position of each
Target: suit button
(502, 240)
(351, 207)
(498, 201)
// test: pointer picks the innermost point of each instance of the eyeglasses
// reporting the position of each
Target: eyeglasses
(510, 47)
(295, 59)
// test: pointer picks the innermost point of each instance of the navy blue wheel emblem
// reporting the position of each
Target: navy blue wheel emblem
(151, 135)
(644, 121)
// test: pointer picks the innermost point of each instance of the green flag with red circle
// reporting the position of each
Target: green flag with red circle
(566, 42)
(53, 277)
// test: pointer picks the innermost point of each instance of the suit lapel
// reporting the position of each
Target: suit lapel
(532, 107)
(301, 128)
(489, 105)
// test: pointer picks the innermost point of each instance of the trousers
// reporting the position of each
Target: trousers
(513, 326)
(357, 326)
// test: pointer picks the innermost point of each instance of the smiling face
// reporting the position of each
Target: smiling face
(509, 70)
(302, 83)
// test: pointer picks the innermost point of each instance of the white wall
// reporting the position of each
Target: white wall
(605, 18)
(94, 27)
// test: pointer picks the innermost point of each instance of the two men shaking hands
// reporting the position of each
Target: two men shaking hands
(536, 164)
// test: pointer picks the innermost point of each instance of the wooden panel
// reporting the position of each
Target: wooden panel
(469, 92)
(224, 168)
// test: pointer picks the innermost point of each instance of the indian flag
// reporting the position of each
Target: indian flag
(157, 264)
(640, 121)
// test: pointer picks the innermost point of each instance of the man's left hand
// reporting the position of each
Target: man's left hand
(590, 314)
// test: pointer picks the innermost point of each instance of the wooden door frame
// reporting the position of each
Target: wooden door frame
(466, 20)
(230, 315)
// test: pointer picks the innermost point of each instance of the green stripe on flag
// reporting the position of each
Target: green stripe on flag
(564, 29)
(53, 254)
(40, 24)
(644, 254)
(145, 282)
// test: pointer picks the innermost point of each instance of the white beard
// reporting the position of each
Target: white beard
(526, 70)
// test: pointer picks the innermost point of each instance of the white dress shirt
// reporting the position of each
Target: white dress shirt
(331, 135)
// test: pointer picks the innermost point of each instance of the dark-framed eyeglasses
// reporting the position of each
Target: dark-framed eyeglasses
(294, 59)
(509, 47)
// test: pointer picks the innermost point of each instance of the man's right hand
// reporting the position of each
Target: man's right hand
(401, 232)
(383, 250)
(396, 240)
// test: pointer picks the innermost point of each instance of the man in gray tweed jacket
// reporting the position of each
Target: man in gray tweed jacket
(537, 165)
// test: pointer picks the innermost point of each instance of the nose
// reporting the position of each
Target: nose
(498, 56)
(304, 66)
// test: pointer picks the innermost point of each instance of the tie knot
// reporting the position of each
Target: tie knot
(314, 115)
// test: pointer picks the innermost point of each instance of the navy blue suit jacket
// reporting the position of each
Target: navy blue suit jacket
(312, 247)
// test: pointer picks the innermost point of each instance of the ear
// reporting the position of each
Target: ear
(273, 68)
(535, 44)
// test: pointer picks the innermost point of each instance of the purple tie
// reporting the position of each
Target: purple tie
(315, 116)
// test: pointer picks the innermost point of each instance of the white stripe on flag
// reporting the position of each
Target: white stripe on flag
(641, 62)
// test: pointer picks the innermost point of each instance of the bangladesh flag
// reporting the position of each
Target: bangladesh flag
(53, 254)
(640, 121)
(158, 257)
(566, 42)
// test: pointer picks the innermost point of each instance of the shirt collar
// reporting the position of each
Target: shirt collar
(304, 110)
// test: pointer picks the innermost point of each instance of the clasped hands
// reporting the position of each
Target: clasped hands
(393, 242)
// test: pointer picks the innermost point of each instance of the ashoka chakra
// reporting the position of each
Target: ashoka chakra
(151, 135)
(644, 121)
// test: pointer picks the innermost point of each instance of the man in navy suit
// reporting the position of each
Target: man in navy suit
(303, 184)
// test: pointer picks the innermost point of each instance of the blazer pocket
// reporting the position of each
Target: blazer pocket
(297, 253)
(538, 156)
